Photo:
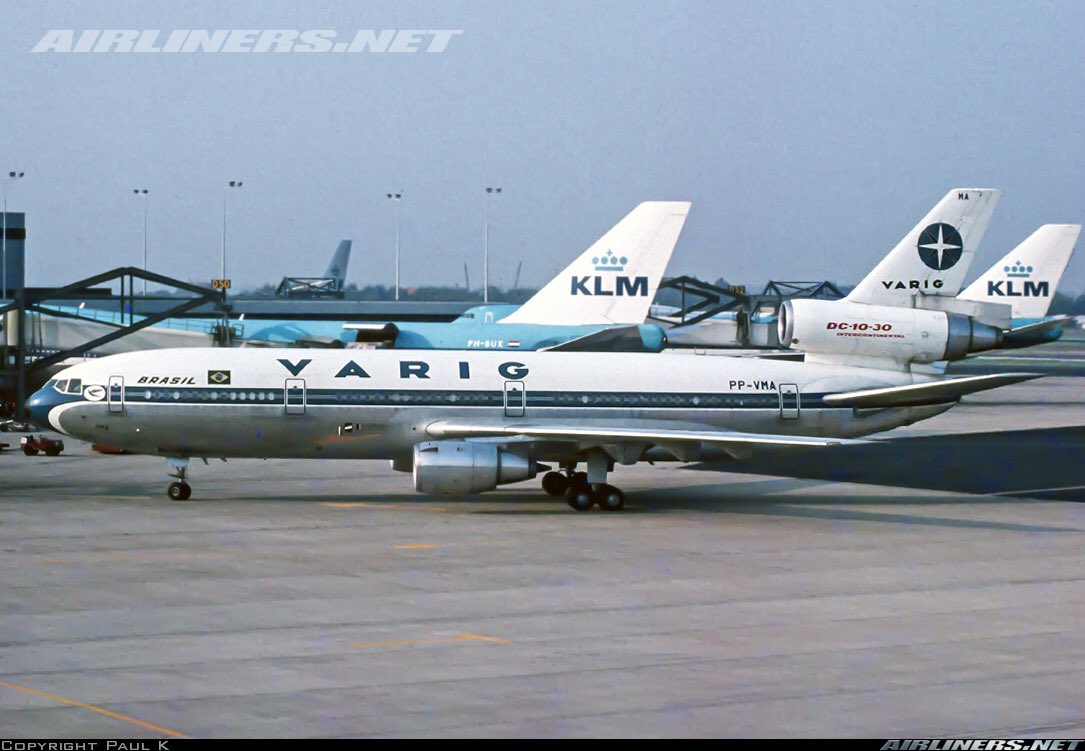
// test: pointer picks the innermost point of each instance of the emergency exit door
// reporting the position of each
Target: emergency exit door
(295, 396)
(515, 398)
(115, 394)
(789, 401)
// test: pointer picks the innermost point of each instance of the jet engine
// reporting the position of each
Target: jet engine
(466, 467)
(916, 335)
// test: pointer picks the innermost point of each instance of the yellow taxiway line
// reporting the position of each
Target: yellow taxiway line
(92, 708)
(445, 640)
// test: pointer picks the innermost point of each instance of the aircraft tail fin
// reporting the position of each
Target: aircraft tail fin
(337, 269)
(934, 257)
(615, 280)
(1028, 275)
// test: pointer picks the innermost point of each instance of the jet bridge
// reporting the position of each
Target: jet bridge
(38, 332)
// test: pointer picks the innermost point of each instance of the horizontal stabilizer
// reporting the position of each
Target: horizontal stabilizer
(1034, 333)
(1040, 327)
(919, 394)
(615, 339)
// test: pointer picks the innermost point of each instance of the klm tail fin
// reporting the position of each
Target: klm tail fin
(615, 280)
(1026, 278)
(337, 269)
(934, 257)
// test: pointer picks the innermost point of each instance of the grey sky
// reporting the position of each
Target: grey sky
(810, 137)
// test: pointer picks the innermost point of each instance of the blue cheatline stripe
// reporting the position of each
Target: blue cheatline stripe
(465, 398)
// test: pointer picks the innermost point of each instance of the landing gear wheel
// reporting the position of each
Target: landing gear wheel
(555, 483)
(579, 497)
(179, 491)
(609, 498)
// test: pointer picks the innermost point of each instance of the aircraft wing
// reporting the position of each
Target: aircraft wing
(671, 438)
(919, 394)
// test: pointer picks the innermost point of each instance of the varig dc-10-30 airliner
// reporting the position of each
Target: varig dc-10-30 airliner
(465, 422)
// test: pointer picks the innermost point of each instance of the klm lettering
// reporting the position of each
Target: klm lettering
(1032, 289)
(597, 286)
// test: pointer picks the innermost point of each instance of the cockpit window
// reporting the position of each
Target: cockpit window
(75, 386)
(62, 386)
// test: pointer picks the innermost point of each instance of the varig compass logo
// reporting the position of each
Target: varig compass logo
(940, 246)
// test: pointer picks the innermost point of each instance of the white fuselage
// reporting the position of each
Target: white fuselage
(378, 403)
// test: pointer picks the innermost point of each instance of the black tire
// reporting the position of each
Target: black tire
(579, 498)
(555, 484)
(179, 491)
(609, 498)
(53, 451)
(30, 451)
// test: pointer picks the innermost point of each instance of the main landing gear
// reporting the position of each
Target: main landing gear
(580, 492)
(180, 490)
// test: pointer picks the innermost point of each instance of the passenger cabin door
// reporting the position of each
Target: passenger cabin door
(789, 401)
(294, 396)
(115, 394)
(515, 398)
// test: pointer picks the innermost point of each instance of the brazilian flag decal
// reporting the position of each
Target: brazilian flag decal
(218, 377)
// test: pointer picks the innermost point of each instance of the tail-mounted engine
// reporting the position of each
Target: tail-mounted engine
(910, 335)
(466, 467)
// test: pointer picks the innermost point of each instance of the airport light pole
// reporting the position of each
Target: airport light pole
(225, 192)
(4, 260)
(486, 247)
(396, 198)
(142, 192)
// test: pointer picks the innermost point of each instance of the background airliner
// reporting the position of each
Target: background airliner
(599, 301)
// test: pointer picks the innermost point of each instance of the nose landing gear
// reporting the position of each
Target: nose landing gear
(180, 490)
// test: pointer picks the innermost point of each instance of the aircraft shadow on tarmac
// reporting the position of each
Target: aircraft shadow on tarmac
(754, 498)
(1043, 464)
(804, 501)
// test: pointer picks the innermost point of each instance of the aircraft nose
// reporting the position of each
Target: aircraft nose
(38, 406)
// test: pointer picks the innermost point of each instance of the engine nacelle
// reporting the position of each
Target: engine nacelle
(466, 467)
(839, 327)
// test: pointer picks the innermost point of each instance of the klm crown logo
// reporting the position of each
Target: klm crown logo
(1025, 288)
(1018, 271)
(610, 262)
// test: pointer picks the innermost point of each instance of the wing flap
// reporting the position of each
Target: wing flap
(596, 435)
(920, 394)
